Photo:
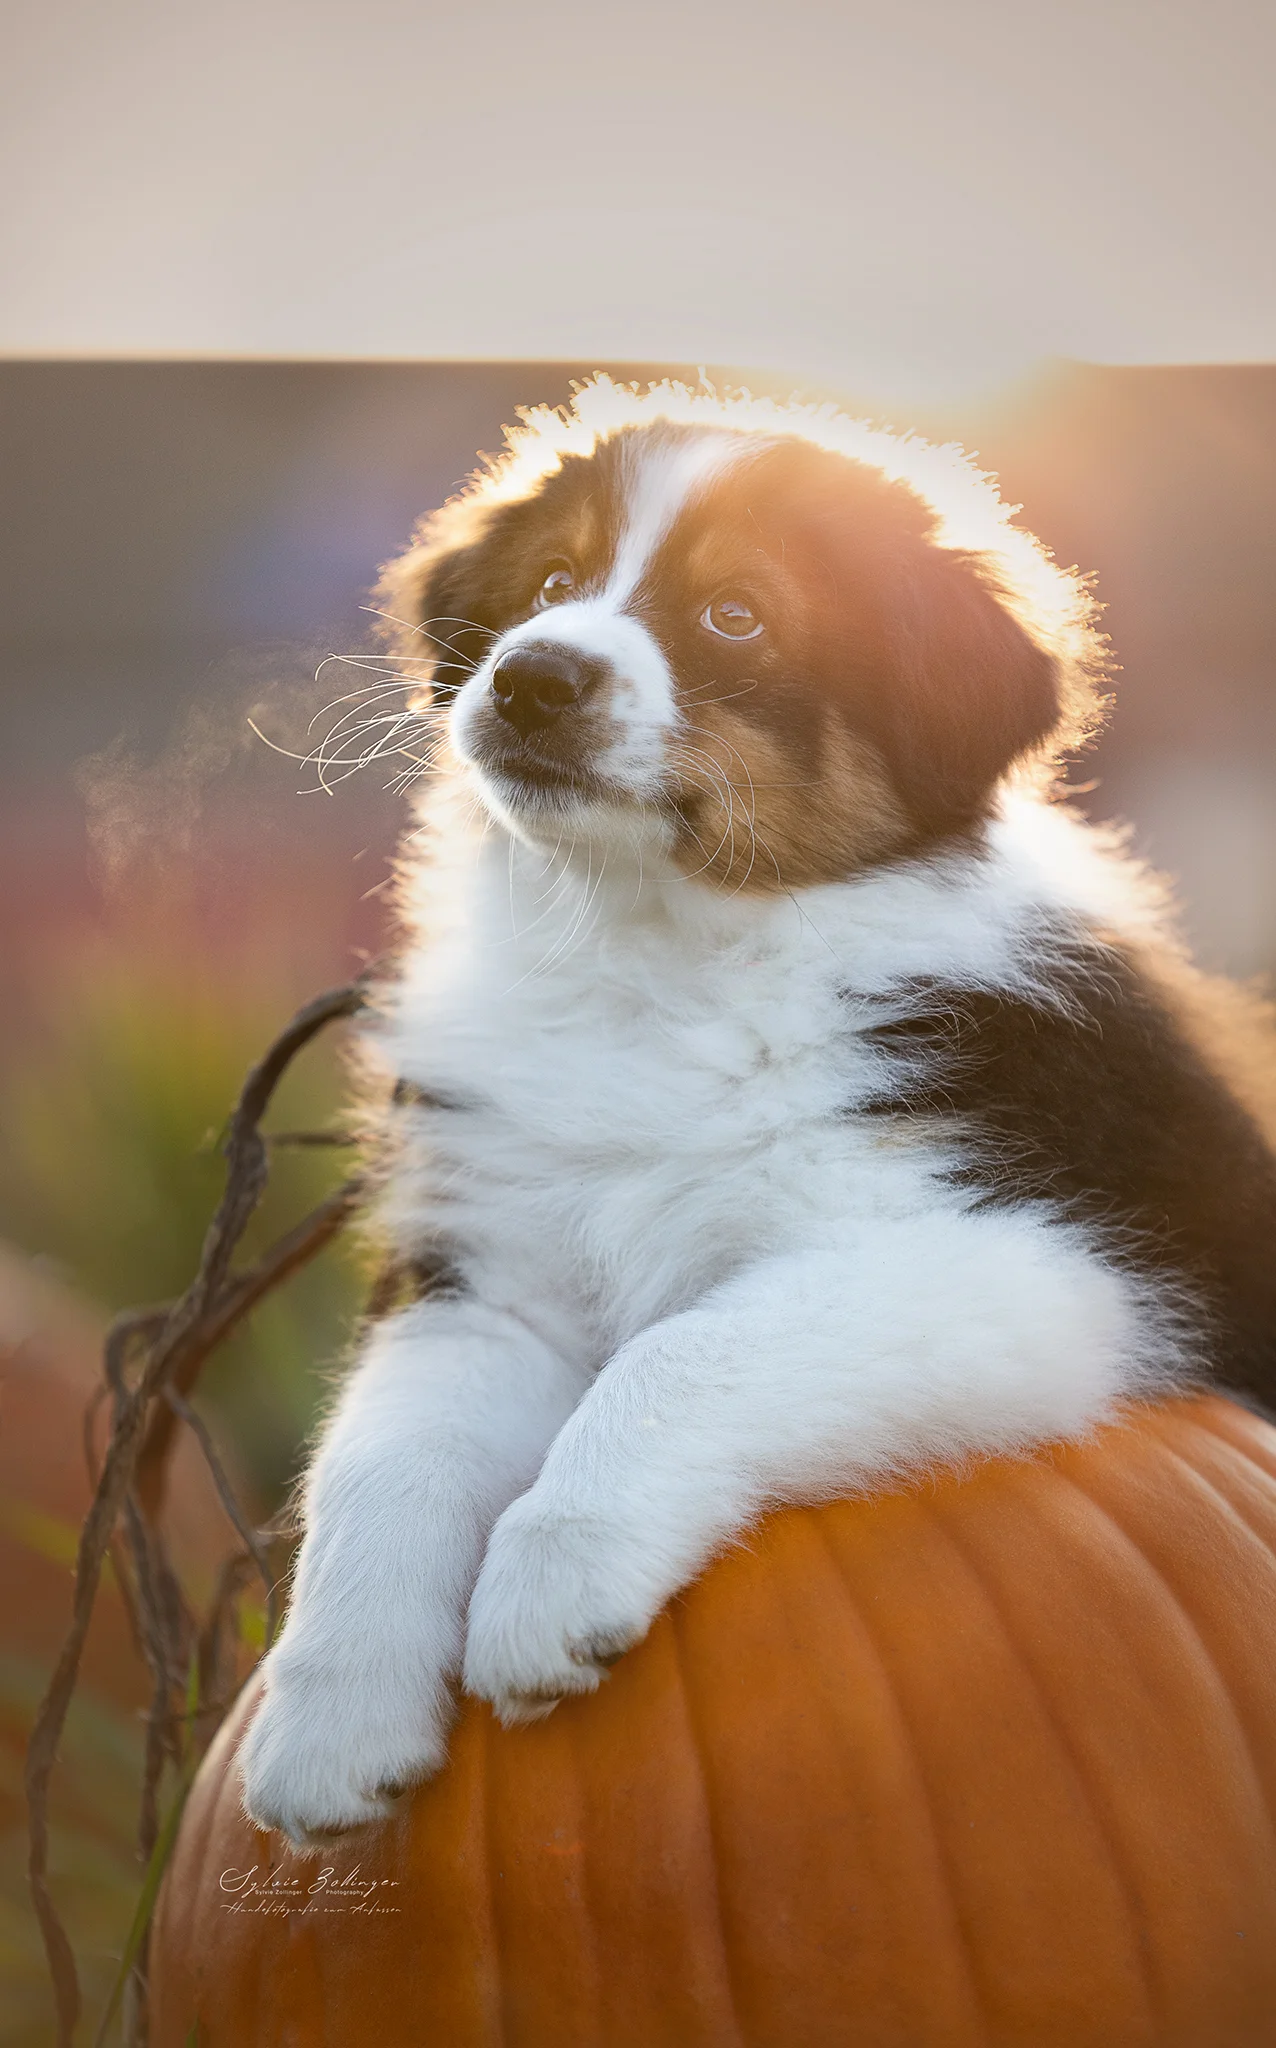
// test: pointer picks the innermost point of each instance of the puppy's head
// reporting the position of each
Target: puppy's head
(749, 633)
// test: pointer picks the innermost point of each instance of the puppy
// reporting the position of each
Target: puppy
(779, 1093)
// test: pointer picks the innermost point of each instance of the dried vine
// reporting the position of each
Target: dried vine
(152, 1359)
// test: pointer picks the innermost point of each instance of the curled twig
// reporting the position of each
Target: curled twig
(234, 1514)
(295, 1249)
(152, 1359)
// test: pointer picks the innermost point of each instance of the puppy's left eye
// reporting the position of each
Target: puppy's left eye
(559, 584)
(731, 618)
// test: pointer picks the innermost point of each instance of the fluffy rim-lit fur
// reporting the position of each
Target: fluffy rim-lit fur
(954, 599)
(1055, 605)
(778, 1092)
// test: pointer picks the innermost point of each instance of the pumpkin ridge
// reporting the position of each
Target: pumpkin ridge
(1103, 1823)
(259, 1972)
(461, 1830)
(1235, 1715)
(588, 1920)
(1231, 1508)
(258, 1837)
(912, 1749)
(261, 1975)
(1171, 1439)
(1193, 1625)
(697, 1749)
(200, 1875)
(500, 1992)
(1223, 1420)
(1233, 1513)
(1181, 1607)
(202, 1805)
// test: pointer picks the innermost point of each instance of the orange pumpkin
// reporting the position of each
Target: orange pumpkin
(990, 1761)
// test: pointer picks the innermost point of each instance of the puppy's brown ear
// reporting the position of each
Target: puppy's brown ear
(971, 691)
(429, 605)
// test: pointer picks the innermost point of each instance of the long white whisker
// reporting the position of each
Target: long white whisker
(387, 743)
(537, 966)
(289, 753)
(565, 946)
(549, 897)
(753, 796)
(389, 683)
(323, 759)
(695, 757)
(351, 728)
(638, 890)
(368, 694)
(700, 703)
(440, 619)
(581, 930)
(548, 958)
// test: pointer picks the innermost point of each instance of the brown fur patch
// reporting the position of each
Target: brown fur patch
(757, 819)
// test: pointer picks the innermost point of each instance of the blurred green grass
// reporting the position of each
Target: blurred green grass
(111, 1112)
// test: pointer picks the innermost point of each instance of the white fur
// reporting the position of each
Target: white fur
(660, 486)
(694, 1288)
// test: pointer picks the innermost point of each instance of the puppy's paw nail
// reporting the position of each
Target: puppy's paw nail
(327, 1834)
(521, 1709)
(604, 1648)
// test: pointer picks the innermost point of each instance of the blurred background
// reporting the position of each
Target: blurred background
(273, 278)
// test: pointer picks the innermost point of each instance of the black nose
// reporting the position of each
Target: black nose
(534, 685)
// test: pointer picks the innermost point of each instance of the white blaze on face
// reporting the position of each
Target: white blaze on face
(659, 484)
(641, 697)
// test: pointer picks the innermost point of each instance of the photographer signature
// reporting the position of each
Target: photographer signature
(323, 1891)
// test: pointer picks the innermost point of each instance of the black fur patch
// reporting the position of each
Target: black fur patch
(1105, 1109)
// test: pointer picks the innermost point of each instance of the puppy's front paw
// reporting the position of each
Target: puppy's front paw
(330, 1748)
(559, 1598)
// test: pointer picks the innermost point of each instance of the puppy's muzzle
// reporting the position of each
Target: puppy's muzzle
(533, 686)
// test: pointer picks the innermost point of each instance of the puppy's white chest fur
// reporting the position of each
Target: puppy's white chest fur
(628, 1108)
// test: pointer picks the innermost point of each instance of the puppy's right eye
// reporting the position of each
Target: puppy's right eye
(731, 618)
(559, 583)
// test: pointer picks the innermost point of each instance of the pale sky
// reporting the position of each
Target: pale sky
(917, 198)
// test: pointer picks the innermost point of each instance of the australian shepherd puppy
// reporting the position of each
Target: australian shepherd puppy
(781, 1092)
